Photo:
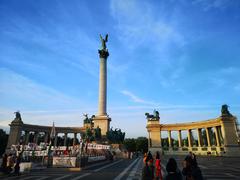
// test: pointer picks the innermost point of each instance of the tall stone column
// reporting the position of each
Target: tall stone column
(179, 138)
(102, 101)
(102, 120)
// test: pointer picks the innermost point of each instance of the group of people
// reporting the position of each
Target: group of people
(152, 168)
(10, 164)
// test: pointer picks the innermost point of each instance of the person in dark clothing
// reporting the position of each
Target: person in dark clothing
(172, 170)
(149, 157)
(191, 169)
(4, 163)
(148, 171)
(17, 166)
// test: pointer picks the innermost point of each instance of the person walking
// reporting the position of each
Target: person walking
(172, 170)
(17, 165)
(149, 157)
(158, 167)
(191, 170)
(148, 171)
(144, 158)
(10, 164)
(4, 163)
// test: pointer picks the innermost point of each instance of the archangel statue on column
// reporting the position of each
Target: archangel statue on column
(104, 47)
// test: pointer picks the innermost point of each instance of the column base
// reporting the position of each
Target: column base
(103, 122)
(232, 151)
(155, 149)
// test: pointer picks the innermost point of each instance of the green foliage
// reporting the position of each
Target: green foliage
(142, 144)
(138, 144)
(3, 140)
(185, 141)
(165, 142)
(130, 144)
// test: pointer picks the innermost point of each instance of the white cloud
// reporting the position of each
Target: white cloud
(138, 25)
(71, 48)
(135, 98)
(22, 93)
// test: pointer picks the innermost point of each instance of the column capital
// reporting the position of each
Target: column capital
(103, 53)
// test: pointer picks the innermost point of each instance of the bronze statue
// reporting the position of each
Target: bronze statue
(97, 133)
(104, 47)
(153, 117)
(18, 115)
(225, 111)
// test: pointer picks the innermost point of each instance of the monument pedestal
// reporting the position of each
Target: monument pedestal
(15, 131)
(103, 122)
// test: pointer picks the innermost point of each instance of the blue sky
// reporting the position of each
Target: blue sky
(180, 57)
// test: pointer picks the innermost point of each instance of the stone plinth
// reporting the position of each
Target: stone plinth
(102, 122)
(15, 132)
(154, 139)
(230, 136)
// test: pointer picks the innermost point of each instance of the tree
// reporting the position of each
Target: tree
(142, 144)
(3, 140)
(130, 144)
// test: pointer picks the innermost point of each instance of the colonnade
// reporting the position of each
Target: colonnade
(17, 127)
(220, 137)
(217, 137)
(46, 138)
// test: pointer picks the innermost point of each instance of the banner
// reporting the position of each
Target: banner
(96, 158)
(64, 161)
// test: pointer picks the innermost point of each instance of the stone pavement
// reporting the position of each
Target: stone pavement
(213, 168)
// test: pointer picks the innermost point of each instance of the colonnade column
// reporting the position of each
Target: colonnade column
(74, 139)
(46, 137)
(36, 135)
(26, 137)
(199, 137)
(179, 138)
(56, 139)
(169, 139)
(189, 138)
(208, 138)
(65, 139)
(216, 135)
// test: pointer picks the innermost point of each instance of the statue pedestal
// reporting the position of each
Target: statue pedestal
(102, 122)
(15, 132)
